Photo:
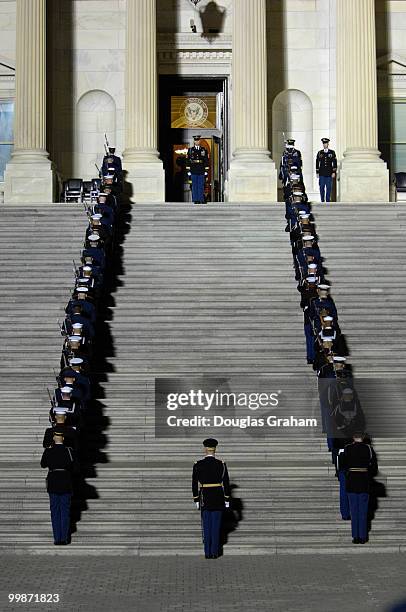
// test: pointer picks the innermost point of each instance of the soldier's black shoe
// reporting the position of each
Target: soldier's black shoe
(360, 541)
(207, 556)
(355, 540)
(214, 556)
(57, 543)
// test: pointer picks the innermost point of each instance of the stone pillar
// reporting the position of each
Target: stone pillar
(141, 158)
(29, 176)
(363, 175)
(252, 176)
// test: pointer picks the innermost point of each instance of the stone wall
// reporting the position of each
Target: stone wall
(86, 56)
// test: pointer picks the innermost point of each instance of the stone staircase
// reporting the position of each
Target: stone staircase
(204, 290)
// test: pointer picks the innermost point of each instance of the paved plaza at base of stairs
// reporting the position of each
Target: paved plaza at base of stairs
(285, 583)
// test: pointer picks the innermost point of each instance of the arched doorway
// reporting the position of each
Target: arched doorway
(292, 116)
(95, 116)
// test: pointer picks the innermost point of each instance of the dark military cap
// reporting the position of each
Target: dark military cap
(290, 141)
(210, 443)
(197, 137)
(324, 140)
(68, 373)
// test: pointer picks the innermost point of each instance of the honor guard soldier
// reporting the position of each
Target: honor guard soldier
(308, 293)
(197, 167)
(61, 462)
(112, 163)
(70, 377)
(210, 474)
(360, 463)
(326, 168)
(323, 302)
(70, 436)
(291, 157)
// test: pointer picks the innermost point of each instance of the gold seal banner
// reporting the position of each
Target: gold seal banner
(193, 112)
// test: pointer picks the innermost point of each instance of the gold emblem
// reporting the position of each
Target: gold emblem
(194, 111)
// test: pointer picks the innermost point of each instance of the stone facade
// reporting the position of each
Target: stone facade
(86, 60)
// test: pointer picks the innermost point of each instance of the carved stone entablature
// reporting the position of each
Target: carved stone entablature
(391, 72)
(183, 40)
(196, 53)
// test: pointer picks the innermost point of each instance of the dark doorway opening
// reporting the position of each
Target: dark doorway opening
(189, 106)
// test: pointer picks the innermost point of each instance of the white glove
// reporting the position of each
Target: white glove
(227, 504)
(189, 174)
(206, 174)
(197, 505)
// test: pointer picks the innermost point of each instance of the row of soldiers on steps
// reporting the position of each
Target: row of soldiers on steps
(71, 398)
(342, 417)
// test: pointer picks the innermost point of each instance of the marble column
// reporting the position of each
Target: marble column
(252, 175)
(363, 175)
(141, 157)
(29, 176)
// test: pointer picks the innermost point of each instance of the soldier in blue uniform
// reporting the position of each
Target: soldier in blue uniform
(291, 157)
(324, 302)
(326, 168)
(359, 461)
(214, 495)
(112, 164)
(61, 462)
(59, 424)
(197, 167)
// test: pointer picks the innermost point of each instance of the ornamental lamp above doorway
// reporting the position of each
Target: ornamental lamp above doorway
(195, 2)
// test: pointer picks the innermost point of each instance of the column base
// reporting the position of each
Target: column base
(363, 180)
(145, 180)
(250, 181)
(29, 181)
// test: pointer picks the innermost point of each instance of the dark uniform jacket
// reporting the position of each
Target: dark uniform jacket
(112, 161)
(197, 160)
(88, 309)
(362, 456)
(82, 382)
(210, 471)
(348, 417)
(70, 436)
(326, 162)
(61, 462)
(290, 157)
(320, 304)
(98, 255)
(88, 328)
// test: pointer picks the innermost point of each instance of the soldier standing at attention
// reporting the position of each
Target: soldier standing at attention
(213, 496)
(326, 168)
(359, 461)
(197, 167)
(61, 462)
